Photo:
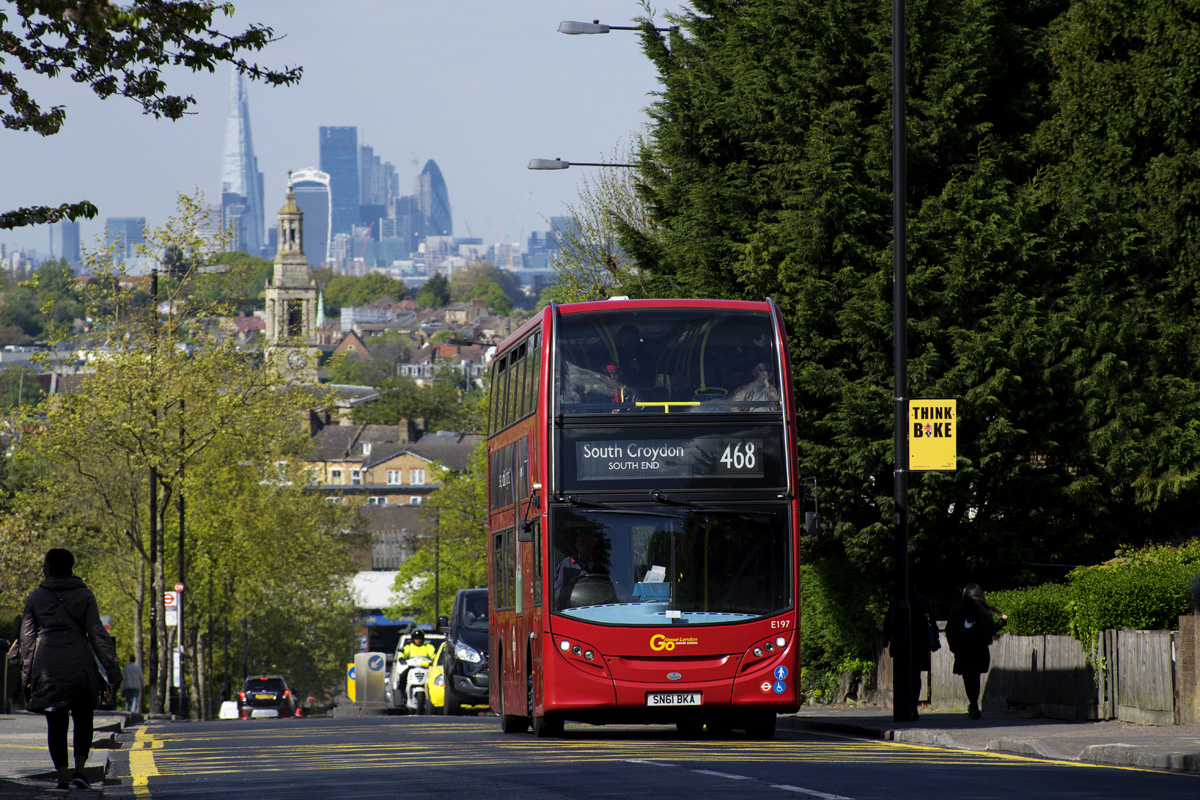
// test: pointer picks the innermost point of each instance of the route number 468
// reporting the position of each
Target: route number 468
(739, 456)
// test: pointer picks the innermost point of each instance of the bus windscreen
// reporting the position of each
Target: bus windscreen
(666, 361)
(650, 568)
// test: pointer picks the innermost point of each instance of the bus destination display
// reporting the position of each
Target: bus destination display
(669, 458)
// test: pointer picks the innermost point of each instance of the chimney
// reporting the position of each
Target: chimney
(406, 431)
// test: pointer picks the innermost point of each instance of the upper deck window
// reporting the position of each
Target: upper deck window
(666, 361)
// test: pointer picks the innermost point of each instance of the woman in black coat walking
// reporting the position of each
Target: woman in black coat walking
(969, 632)
(60, 630)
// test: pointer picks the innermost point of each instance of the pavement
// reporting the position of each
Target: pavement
(1174, 748)
(26, 771)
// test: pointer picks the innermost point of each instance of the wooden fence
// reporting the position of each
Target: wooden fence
(1133, 676)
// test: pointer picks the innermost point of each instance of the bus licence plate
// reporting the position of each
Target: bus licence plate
(673, 699)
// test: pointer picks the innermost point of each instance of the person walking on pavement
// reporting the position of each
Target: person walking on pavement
(969, 632)
(132, 681)
(62, 639)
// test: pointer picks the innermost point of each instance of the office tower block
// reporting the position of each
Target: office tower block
(408, 221)
(241, 182)
(123, 235)
(433, 201)
(311, 188)
(562, 230)
(372, 190)
(64, 240)
(340, 159)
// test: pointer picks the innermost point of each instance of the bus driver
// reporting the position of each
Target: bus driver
(583, 561)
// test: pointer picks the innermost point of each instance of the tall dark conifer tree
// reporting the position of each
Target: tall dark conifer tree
(1052, 257)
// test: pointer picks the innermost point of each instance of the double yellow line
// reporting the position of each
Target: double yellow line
(141, 762)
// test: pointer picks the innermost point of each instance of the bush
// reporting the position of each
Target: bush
(837, 617)
(1140, 595)
(1144, 589)
(1035, 611)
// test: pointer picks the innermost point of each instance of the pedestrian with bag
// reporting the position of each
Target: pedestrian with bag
(63, 648)
(972, 626)
(925, 642)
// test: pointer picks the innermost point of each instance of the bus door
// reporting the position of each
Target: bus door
(520, 469)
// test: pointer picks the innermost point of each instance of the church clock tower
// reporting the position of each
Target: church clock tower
(291, 326)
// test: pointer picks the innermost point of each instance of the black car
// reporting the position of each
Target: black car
(465, 656)
(266, 696)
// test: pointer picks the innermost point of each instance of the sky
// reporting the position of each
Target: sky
(478, 86)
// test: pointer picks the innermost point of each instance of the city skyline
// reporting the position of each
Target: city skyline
(480, 90)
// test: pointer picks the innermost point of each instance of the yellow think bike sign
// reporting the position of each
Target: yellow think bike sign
(932, 432)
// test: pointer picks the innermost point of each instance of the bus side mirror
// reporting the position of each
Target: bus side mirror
(812, 523)
(525, 531)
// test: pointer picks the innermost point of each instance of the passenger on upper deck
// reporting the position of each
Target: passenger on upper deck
(636, 364)
(620, 390)
(762, 387)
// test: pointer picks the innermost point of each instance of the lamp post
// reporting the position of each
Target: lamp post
(558, 163)
(576, 28)
(902, 644)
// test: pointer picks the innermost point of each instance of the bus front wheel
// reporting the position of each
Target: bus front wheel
(547, 725)
(760, 725)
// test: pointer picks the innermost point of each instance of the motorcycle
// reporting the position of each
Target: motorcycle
(413, 677)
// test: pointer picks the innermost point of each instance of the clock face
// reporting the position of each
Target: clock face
(297, 359)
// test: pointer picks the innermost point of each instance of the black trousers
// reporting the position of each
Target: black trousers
(57, 724)
(971, 685)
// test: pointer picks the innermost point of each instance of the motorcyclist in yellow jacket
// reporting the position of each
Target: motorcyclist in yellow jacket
(417, 647)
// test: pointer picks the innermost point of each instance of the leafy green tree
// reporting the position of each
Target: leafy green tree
(251, 296)
(374, 286)
(184, 421)
(354, 371)
(20, 316)
(497, 301)
(337, 293)
(434, 293)
(116, 50)
(472, 282)
(446, 402)
(353, 291)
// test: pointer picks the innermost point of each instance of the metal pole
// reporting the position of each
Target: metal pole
(156, 590)
(902, 703)
(182, 567)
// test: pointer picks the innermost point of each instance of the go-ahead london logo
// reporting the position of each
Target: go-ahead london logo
(659, 642)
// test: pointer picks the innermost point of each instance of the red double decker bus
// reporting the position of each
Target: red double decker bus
(643, 518)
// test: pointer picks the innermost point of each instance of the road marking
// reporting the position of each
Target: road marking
(723, 775)
(651, 763)
(809, 792)
(141, 762)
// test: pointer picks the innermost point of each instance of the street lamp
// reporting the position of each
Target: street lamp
(902, 643)
(576, 28)
(558, 163)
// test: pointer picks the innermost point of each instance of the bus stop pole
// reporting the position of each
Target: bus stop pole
(902, 700)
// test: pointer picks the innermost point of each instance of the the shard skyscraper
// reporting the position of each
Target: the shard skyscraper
(241, 182)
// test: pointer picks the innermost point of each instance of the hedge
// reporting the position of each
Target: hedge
(1144, 589)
